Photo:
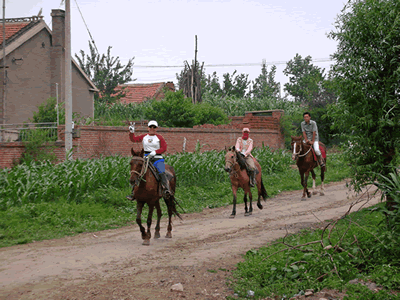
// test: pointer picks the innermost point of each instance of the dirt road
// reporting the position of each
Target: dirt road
(204, 249)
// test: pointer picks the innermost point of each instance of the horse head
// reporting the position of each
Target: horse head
(136, 163)
(230, 159)
(296, 146)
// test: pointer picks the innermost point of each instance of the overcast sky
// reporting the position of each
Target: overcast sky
(162, 33)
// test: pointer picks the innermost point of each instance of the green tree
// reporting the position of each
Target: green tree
(106, 72)
(47, 112)
(367, 78)
(265, 85)
(235, 85)
(176, 110)
(305, 79)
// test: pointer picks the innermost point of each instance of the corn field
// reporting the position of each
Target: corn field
(75, 180)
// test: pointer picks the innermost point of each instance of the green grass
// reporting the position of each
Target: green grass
(367, 255)
(42, 201)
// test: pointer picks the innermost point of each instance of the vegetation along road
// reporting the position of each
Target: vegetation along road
(205, 248)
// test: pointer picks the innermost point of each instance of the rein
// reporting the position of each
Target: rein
(233, 171)
(301, 148)
(144, 168)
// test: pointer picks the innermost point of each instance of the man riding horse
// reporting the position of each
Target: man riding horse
(244, 145)
(154, 146)
(311, 137)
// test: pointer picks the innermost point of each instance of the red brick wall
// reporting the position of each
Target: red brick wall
(94, 141)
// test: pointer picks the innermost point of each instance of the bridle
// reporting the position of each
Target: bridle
(232, 169)
(143, 171)
(297, 154)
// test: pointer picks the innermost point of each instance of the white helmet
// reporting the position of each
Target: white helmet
(152, 122)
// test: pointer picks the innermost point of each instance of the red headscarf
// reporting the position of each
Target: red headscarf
(245, 133)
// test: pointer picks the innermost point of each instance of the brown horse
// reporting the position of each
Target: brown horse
(235, 166)
(302, 153)
(148, 190)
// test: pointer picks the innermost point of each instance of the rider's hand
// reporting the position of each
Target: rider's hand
(152, 153)
(132, 128)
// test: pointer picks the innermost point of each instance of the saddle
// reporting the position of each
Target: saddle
(323, 153)
(154, 170)
(246, 166)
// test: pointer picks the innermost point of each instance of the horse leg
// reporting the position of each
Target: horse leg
(306, 174)
(259, 190)
(159, 214)
(314, 188)
(234, 191)
(246, 211)
(251, 203)
(303, 184)
(139, 207)
(148, 233)
(322, 192)
(169, 227)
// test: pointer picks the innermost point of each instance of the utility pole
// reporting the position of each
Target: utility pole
(3, 107)
(68, 82)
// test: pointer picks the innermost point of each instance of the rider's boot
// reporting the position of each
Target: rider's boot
(131, 197)
(252, 176)
(165, 185)
(321, 161)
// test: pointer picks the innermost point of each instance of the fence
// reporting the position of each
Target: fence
(20, 132)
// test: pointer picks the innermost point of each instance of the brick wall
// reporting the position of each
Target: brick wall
(95, 141)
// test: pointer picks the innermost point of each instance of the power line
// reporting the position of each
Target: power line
(232, 65)
(94, 44)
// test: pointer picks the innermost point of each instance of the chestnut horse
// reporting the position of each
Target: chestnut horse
(302, 153)
(235, 166)
(148, 190)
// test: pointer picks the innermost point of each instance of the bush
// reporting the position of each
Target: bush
(47, 112)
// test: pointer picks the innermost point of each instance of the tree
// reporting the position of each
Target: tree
(367, 79)
(190, 81)
(305, 79)
(106, 72)
(236, 86)
(265, 85)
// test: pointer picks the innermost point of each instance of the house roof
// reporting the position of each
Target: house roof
(20, 30)
(139, 92)
(17, 26)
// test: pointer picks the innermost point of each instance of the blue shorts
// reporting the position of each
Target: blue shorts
(159, 164)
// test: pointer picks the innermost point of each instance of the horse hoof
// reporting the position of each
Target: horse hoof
(232, 216)
(157, 235)
(168, 235)
(309, 195)
(146, 243)
(259, 206)
(303, 199)
(322, 194)
(247, 214)
(315, 192)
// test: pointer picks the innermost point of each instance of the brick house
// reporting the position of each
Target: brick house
(139, 92)
(35, 64)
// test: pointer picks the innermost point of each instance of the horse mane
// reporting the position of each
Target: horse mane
(240, 160)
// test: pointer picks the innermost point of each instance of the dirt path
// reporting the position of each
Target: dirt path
(205, 247)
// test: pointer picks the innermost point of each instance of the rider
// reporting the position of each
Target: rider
(154, 146)
(311, 137)
(244, 145)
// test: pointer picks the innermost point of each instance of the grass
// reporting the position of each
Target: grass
(279, 271)
(41, 201)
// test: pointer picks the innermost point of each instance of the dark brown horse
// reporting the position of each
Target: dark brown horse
(148, 190)
(235, 166)
(302, 153)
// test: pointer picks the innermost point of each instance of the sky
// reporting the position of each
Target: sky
(237, 34)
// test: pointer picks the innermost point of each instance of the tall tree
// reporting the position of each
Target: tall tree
(265, 85)
(106, 72)
(236, 85)
(305, 79)
(367, 79)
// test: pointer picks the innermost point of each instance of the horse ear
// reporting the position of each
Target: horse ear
(132, 152)
(141, 153)
(233, 148)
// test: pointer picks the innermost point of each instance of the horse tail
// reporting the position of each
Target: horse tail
(264, 193)
(171, 203)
